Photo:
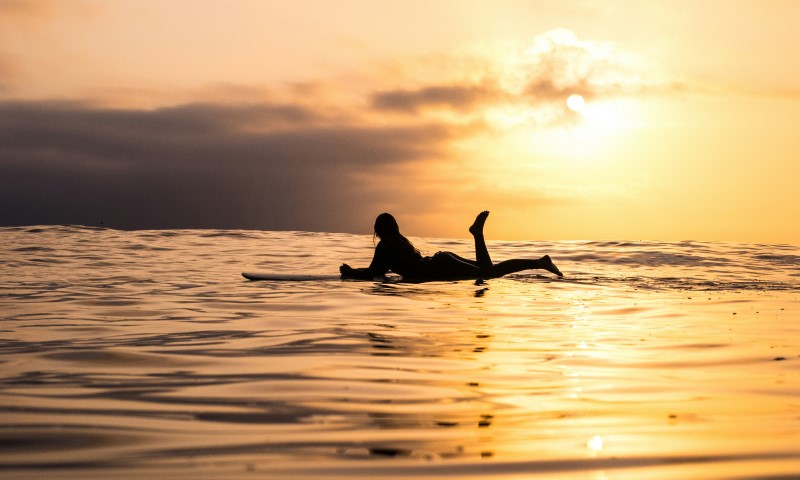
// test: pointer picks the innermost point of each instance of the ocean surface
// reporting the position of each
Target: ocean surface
(145, 354)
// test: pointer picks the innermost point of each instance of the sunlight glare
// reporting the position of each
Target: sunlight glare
(595, 443)
(576, 103)
(610, 115)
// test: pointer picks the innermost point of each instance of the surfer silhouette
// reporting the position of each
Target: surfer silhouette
(396, 253)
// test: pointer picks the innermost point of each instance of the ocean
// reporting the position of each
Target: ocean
(145, 354)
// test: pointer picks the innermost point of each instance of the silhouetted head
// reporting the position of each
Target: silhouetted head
(388, 231)
(386, 226)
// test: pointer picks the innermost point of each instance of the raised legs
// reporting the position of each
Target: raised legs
(481, 252)
(484, 261)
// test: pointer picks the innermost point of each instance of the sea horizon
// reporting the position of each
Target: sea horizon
(432, 237)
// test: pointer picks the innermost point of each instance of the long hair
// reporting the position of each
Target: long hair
(387, 230)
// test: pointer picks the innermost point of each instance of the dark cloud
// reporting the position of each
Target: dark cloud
(204, 165)
(546, 85)
(457, 97)
(304, 165)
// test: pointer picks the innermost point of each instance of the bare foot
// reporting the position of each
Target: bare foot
(477, 226)
(548, 265)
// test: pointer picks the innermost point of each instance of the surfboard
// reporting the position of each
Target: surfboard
(288, 277)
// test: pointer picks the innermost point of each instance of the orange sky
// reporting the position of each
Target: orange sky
(319, 115)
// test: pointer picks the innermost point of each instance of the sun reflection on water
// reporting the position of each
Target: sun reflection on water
(595, 443)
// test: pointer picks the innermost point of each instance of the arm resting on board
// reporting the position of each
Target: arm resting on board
(357, 273)
(377, 268)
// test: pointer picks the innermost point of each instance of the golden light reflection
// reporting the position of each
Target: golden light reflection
(595, 443)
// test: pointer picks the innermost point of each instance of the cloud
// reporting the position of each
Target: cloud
(457, 97)
(315, 156)
(253, 166)
(536, 75)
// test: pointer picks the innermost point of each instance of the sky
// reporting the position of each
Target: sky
(599, 120)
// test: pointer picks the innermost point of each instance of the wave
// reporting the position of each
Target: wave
(657, 283)
(70, 250)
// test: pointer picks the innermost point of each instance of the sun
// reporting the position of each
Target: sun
(576, 103)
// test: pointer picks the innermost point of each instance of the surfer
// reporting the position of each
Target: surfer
(396, 253)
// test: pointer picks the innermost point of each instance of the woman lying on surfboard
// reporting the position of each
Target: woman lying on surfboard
(396, 253)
